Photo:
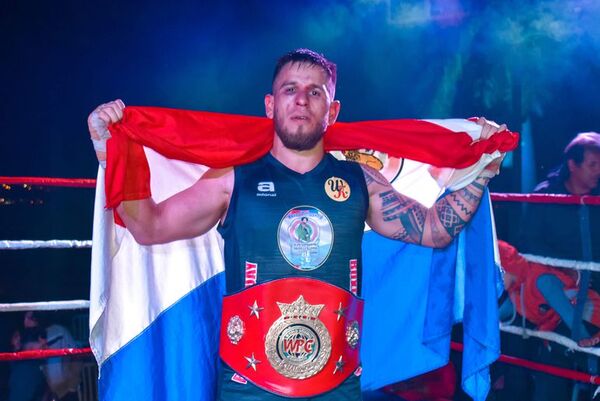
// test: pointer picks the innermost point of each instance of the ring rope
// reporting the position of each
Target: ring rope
(550, 336)
(45, 306)
(53, 243)
(506, 197)
(547, 198)
(43, 353)
(59, 244)
(553, 370)
(564, 263)
(50, 182)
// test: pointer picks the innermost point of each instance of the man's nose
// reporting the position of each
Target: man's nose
(301, 98)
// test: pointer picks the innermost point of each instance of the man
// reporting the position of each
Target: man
(554, 230)
(26, 381)
(63, 375)
(311, 350)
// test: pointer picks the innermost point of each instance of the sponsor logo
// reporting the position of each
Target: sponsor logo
(266, 188)
(353, 276)
(337, 189)
(250, 274)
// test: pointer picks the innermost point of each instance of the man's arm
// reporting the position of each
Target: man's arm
(187, 214)
(397, 216)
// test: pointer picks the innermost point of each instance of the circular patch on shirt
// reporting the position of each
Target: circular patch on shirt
(305, 237)
(337, 189)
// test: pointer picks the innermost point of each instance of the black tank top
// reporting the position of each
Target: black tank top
(281, 223)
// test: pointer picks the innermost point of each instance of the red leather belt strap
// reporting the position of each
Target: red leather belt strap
(296, 337)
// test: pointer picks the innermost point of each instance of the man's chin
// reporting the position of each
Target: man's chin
(300, 146)
(299, 139)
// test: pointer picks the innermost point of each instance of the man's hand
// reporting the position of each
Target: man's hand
(98, 122)
(489, 128)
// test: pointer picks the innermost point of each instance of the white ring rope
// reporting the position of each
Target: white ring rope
(57, 244)
(550, 336)
(53, 243)
(564, 263)
(45, 306)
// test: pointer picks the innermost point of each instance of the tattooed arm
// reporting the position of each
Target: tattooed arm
(397, 216)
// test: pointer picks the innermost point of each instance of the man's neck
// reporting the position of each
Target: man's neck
(576, 188)
(299, 161)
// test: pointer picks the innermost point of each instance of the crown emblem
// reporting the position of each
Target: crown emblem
(300, 309)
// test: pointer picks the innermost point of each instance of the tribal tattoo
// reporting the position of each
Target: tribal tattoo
(372, 175)
(405, 219)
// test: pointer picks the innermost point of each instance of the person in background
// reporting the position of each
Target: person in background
(63, 375)
(554, 230)
(26, 381)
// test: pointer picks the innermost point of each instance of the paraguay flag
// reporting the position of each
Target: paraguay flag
(155, 310)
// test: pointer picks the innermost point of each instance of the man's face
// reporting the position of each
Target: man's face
(588, 172)
(301, 105)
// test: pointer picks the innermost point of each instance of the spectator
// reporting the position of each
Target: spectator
(26, 381)
(63, 375)
(554, 230)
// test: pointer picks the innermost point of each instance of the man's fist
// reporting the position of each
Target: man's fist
(98, 122)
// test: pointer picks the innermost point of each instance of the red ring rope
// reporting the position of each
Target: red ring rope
(43, 353)
(540, 367)
(50, 182)
(553, 370)
(506, 197)
(548, 198)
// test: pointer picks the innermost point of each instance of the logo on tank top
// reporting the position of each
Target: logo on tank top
(305, 237)
(265, 188)
(337, 189)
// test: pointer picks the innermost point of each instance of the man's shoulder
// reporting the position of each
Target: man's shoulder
(550, 187)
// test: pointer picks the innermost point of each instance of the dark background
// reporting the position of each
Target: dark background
(532, 64)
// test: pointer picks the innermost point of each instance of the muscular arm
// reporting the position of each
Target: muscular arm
(187, 214)
(399, 217)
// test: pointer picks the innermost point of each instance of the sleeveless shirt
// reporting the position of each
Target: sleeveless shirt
(281, 223)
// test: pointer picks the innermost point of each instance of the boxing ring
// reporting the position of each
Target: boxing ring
(584, 267)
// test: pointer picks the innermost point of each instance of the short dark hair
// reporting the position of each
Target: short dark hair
(575, 151)
(310, 57)
(583, 141)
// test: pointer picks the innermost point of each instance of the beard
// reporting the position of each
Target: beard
(302, 139)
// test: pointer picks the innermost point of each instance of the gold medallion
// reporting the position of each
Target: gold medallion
(298, 344)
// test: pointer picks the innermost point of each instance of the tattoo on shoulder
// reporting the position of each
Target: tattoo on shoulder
(372, 175)
(408, 212)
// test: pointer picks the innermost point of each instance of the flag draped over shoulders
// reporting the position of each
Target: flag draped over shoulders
(224, 140)
(155, 309)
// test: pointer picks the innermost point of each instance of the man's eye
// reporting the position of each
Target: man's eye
(315, 93)
(290, 90)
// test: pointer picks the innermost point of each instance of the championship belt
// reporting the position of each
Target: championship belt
(295, 337)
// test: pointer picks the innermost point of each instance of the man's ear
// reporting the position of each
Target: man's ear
(334, 111)
(269, 105)
(571, 165)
